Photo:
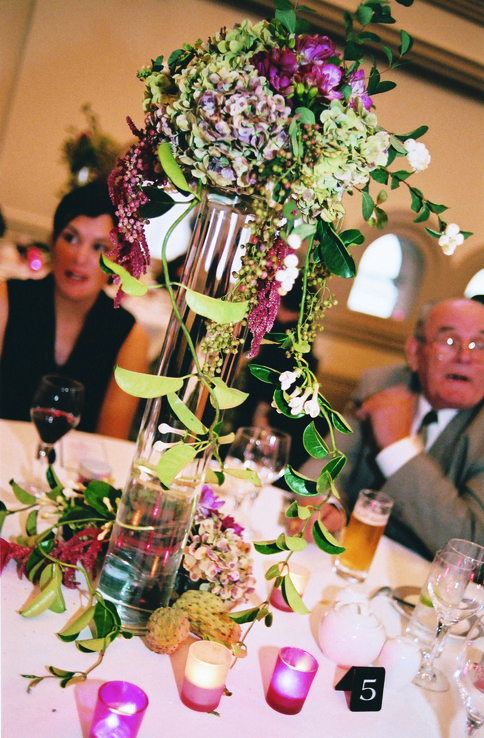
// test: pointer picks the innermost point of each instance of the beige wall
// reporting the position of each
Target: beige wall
(56, 55)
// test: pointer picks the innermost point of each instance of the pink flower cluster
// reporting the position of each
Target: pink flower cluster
(216, 555)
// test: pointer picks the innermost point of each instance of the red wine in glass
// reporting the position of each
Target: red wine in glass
(56, 408)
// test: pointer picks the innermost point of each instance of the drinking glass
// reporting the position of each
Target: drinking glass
(362, 536)
(55, 409)
(262, 450)
(470, 678)
(455, 589)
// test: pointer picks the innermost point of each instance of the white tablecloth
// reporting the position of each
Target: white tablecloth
(28, 645)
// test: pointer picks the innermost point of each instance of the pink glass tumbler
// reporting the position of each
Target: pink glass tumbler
(119, 710)
(293, 675)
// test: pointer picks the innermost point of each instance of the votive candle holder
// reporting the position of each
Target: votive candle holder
(206, 672)
(119, 710)
(291, 680)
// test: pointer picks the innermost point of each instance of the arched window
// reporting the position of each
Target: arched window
(388, 279)
(476, 285)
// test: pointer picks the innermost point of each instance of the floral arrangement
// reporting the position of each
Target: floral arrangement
(66, 533)
(271, 111)
(216, 557)
(89, 154)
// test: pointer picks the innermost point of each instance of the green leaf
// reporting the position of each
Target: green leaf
(272, 572)
(367, 206)
(300, 484)
(352, 237)
(129, 284)
(160, 202)
(227, 396)
(31, 524)
(291, 596)
(287, 18)
(406, 42)
(306, 115)
(314, 442)
(3, 514)
(93, 644)
(220, 311)
(70, 632)
(364, 14)
(248, 475)
(22, 496)
(173, 460)
(379, 175)
(416, 133)
(42, 602)
(171, 168)
(52, 572)
(244, 616)
(264, 373)
(295, 543)
(186, 416)
(146, 385)
(325, 540)
(334, 467)
(423, 215)
(333, 252)
(267, 547)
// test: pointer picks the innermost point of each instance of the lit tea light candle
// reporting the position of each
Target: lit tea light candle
(299, 576)
(293, 675)
(205, 675)
(119, 710)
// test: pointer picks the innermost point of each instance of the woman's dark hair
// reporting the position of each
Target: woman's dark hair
(91, 200)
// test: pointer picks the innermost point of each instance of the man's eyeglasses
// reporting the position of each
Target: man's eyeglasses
(449, 347)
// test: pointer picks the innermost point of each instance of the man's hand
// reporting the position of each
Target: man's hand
(390, 414)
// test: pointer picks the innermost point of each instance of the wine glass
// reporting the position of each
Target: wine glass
(264, 451)
(470, 677)
(55, 409)
(456, 591)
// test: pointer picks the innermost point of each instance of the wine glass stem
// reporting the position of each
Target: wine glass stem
(45, 453)
(430, 656)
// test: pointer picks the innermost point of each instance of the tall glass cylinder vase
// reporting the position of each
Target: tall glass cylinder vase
(152, 524)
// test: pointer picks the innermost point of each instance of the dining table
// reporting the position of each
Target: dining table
(29, 645)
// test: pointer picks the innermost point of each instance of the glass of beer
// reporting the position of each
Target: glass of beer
(362, 536)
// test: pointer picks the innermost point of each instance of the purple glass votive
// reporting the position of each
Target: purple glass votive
(119, 710)
(293, 675)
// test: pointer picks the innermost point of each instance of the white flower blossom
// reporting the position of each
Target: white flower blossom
(297, 401)
(287, 276)
(417, 154)
(165, 428)
(451, 238)
(311, 407)
(294, 241)
(287, 378)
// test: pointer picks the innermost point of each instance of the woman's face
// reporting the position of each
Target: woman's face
(76, 254)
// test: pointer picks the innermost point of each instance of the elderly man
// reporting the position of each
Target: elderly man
(437, 484)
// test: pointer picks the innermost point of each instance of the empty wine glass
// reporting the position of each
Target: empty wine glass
(455, 588)
(55, 409)
(264, 451)
(470, 677)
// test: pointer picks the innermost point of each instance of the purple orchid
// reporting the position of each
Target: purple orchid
(209, 502)
(358, 87)
(315, 48)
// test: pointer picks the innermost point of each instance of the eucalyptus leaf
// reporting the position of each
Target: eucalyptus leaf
(272, 572)
(146, 385)
(129, 284)
(244, 616)
(295, 543)
(31, 524)
(220, 311)
(267, 547)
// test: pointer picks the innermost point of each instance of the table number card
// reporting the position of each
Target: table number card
(365, 687)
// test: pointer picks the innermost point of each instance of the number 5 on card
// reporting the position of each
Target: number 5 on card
(365, 686)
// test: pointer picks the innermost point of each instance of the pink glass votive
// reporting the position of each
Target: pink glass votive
(293, 675)
(299, 576)
(205, 675)
(119, 710)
